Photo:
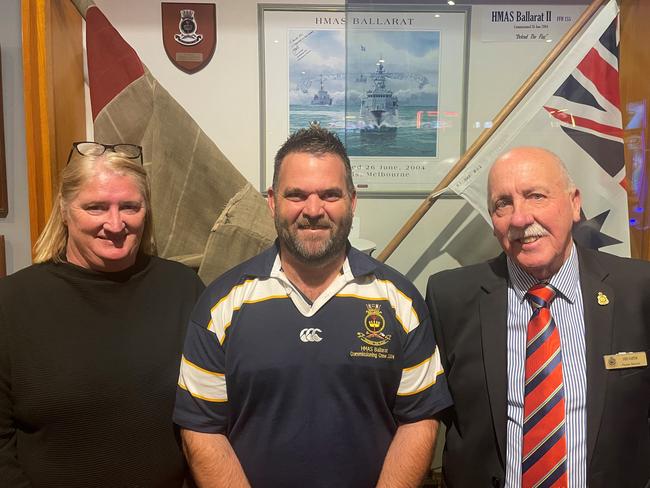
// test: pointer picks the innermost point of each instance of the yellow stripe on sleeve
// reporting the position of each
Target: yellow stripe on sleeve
(202, 383)
(421, 376)
(250, 291)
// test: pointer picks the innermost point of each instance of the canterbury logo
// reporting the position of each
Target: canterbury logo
(310, 335)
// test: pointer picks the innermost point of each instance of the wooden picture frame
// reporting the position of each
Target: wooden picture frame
(4, 200)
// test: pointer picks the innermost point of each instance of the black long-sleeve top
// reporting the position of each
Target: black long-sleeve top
(88, 367)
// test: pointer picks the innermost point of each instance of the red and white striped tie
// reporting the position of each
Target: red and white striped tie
(544, 442)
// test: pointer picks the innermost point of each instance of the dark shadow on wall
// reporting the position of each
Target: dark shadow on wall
(473, 244)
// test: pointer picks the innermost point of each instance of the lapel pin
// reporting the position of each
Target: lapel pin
(602, 299)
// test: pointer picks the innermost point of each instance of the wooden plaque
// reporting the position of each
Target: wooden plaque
(189, 34)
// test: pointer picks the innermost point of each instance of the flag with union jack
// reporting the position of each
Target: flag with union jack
(587, 105)
(574, 111)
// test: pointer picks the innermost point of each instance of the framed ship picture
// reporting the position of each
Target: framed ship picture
(391, 84)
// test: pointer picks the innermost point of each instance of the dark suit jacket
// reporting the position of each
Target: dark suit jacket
(469, 311)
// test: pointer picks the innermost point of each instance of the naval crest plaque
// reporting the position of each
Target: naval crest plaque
(189, 34)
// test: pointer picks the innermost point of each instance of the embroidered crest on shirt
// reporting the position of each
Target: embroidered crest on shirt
(374, 324)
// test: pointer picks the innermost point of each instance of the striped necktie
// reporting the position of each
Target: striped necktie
(544, 442)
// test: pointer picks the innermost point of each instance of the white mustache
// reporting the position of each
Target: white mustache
(533, 230)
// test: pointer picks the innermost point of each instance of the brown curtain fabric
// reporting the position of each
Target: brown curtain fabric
(205, 212)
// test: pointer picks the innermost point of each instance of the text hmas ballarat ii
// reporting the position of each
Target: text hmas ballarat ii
(519, 16)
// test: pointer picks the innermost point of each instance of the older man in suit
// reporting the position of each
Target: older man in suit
(545, 347)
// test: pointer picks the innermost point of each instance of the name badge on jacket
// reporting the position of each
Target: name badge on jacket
(623, 360)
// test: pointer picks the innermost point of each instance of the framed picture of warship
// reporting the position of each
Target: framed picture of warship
(390, 83)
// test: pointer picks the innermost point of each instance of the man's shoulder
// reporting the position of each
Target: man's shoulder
(615, 266)
(494, 269)
(258, 266)
(611, 262)
(362, 263)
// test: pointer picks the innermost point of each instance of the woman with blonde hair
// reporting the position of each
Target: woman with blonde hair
(91, 336)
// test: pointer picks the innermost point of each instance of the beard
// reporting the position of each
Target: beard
(314, 250)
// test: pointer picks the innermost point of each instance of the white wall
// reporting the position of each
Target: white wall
(224, 99)
(15, 227)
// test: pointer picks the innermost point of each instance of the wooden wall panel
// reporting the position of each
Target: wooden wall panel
(635, 94)
(67, 81)
(54, 97)
(38, 110)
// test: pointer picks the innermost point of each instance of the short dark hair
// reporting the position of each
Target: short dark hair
(317, 141)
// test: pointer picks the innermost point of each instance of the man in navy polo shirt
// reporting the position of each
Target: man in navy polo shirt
(311, 364)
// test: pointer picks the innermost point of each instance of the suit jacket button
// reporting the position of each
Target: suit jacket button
(496, 482)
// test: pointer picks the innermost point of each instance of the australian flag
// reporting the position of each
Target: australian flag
(574, 111)
(590, 112)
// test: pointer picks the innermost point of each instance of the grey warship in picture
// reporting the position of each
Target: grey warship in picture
(322, 97)
(379, 107)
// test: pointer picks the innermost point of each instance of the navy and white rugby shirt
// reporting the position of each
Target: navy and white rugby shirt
(309, 394)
